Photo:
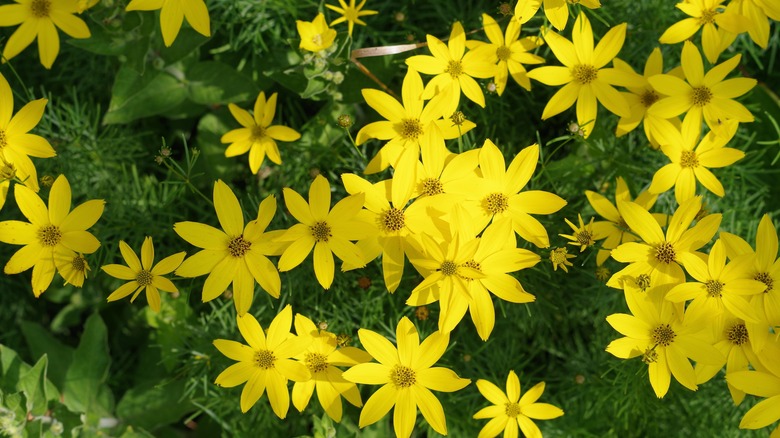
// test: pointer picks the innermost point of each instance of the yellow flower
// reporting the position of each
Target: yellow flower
(17, 145)
(142, 275)
(560, 258)
(455, 72)
(237, 254)
(702, 94)
(72, 266)
(266, 363)
(510, 411)
(351, 14)
(582, 235)
(691, 163)
(664, 339)
(41, 19)
(315, 35)
(327, 231)
(508, 51)
(257, 136)
(173, 13)
(762, 384)
(83, 5)
(585, 79)
(407, 375)
(50, 233)
(759, 12)
(706, 14)
(556, 11)
(321, 358)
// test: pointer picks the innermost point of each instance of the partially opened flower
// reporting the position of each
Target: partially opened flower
(581, 235)
(173, 13)
(350, 13)
(315, 35)
(142, 274)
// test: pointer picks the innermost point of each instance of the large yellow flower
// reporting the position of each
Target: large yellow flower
(455, 70)
(556, 11)
(315, 35)
(173, 13)
(762, 384)
(237, 254)
(759, 12)
(701, 94)
(583, 74)
(142, 275)
(705, 14)
(50, 233)
(266, 363)
(257, 136)
(41, 19)
(510, 411)
(350, 13)
(407, 375)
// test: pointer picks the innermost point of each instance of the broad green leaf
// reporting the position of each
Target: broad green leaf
(135, 96)
(151, 406)
(11, 367)
(213, 82)
(33, 384)
(41, 342)
(85, 389)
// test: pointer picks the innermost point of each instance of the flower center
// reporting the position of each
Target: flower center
(79, 263)
(50, 235)
(714, 288)
(430, 187)
(701, 96)
(448, 267)
(264, 359)
(454, 68)
(411, 129)
(738, 334)
(664, 253)
(495, 203)
(317, 39)
(707, 17)
(402, 377)
(584, 73)
(689, 159)
(321, 231)
(458, 118)
(643, 282)
(391, 220)
(648, 98)
(662, 335)
(316, 362)
(144, 277)
(40, 8)
(258, 132)
(765, 278)
(238, 246)
(512, 409)
(584, 237)
(503, 53)
(559, 256)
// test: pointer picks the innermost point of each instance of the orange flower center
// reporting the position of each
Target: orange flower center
(738, 334)
(321, 231)
(701, 96)
(50, 235)
(503, 53)
(688, 159)
(714, 288)
(512, 410)
(144, 278)
(40, 8)
(454, 68)
(238, 246)
(662, 335)
(431, 186)
(765, 278)
(411, 129)
(316, 362)
(264, 359)
(402, 377)
(495, 203)
(664, 253)
(648, 98)
(391, 220)
(584, 73)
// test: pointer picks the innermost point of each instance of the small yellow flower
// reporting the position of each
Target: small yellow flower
(72, 266)
(41, 19)
(510, 411)
(556, 11)
(315, 35)
(705, 14)
(142, 275)
(257, 136)
(582, 235)
(350, 13)
(560, 258)
(173, 13)
(759, 13)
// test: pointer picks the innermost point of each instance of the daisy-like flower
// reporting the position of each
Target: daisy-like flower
(321, 358)
(614, 230)
(762, 384)
(556, 11)
(560, 259)
(759, 12)
(315, 35)
(691, 162)
(143, 274)
(17, 145)
(705, 14)
(707, 95)
(510, 411)
(663, 339)
(350, 13)
(581, 235)
(328, 231)
(407, 376)
(508, 51)
(51, 231)
(72, 266)
(41, 19)
(498, 193)
(455, 70)
(238, 254)
(257, 135)
(583, 74)
(266, 363)
(173, 13)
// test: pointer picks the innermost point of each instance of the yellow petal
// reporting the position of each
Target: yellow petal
(198, 17)
(171, 17)
(430, 407)
(201, 235)
(378, 405)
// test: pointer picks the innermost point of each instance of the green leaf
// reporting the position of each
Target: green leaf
(84, 389)
(11, 367)
(41, 342)
(213, 82)
(33, 384)
(135, 96)
(151, 406)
